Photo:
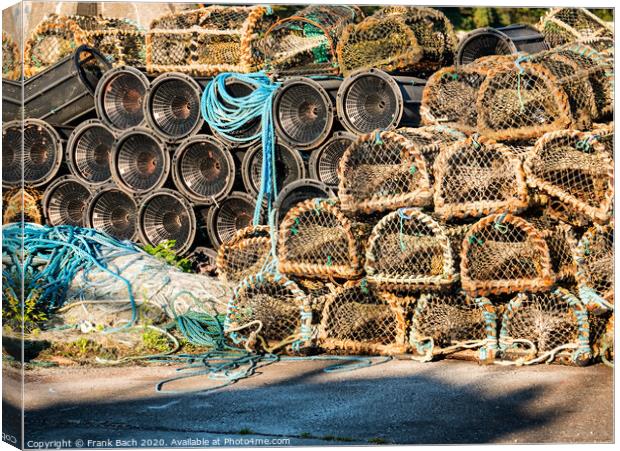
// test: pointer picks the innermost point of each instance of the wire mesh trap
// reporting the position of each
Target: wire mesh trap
(409, 250)
(563, 25)
(21, 205)
(358, 320)
(172, 106)
(119, 97)
(224, 219)
(503, 253)
(288, 163)
(398, 38)
(112, 211)
(11, 59)
(544, 327)
(65, 200)
(323, 163)
(34, 153)
(268, 312)
(380, 171)
(477, 177)
(594, 256)
(203, 169)
(166, 215)
(317, 240)
(573, 167)
(443, 324)
(245, 254)
(208, 41)
(306, 42)
(296, 192)
(139, 161)
(88, 152)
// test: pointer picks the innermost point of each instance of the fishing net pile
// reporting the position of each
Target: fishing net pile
(58, 36)
(563, 25)
(208, 41)
(398, 38)
(305, 43)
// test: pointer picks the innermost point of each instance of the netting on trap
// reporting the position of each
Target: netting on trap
(11, 61)
(398, 38)
(476, 177)
(604, 134)
(594, 256)
(270, 312)
(563, 25)
(306, 42)
(357, 320)
(503, 253)
(561, 242)
(120, 39)
(18, 203)
(442, 324)
(245, 254)
(409, 250)
(539, 328)
(573, 167)
(602, 336)
(207, 41)
(450, 94)
(317, 240)
(381, 171)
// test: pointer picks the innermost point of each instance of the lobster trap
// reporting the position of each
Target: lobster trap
(503, 253)
(409, 250)
(245, 254)
(443, 324)
(21, 204)
(288, 163)
(381, 171)
(306, 42)
(594, 256)
(88, 152)
(563, 25)
(65, 200)
(268, 312)
(561, 241)
(398, 38)
(11, 59)
(317, 240)
(112, 211)
(573, 167)
(357, 320)
(207, 41)
(324, 161)
(543, 327)
(476, 177)
(225, 218)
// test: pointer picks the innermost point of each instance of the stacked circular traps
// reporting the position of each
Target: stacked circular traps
(64, 201)
(112, 211)
(120, 98)
(88, 152)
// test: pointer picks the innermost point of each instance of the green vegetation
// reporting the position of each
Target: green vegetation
(29, 315)
(154, 341)
(165, 251)
(377, 441)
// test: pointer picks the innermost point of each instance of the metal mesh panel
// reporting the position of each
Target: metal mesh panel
(574, 167)
(114, 212)
(476, 177)
(318, 240)
(357, 320)
(380, 171)
(305, 43)
(289, 167)
(324, 161)
(503, 253)
(120, 96)
(245, 254)
(88, 152)
(562, 25)
(407, 249)
(165, 215)
(545, 325)
(64, 202)
(594, 256)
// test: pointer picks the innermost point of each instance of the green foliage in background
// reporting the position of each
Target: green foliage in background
(165, 251)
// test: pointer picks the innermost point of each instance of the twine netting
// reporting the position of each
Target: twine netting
(18, 203)
(476, 177)
(207, 41)
(545, 327)
(408, 250)
(594, 256)
(558, 210)
(605, 135)
(381, 171)
(324, 161)
(561, 242)
(318, 241)
(355, 319)
(398, 38)
(573, 167)
(503, 253)
(11, 61)
(563, 25)
(119, 39)
(245, 254)
(268, 311)
(306, 42)
(445, 323)
(602, 336)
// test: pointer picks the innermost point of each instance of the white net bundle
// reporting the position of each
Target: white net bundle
(476, 177)
(563, 25)
(381, 171)
(409, 250)
(247, 253)
(573, 167)
(594, 256)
